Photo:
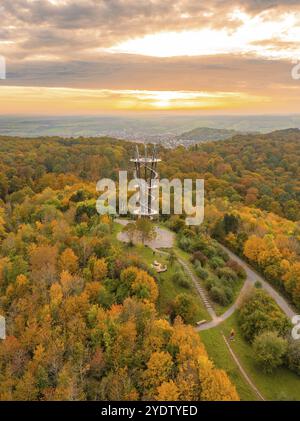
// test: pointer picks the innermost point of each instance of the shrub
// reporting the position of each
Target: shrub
(222, 253)
(238, 269)
(218, 294)
(269, 349)
(189, 233)
(216, 262)
(293, 356)
(200, 257)
(227, 274)
(229, 294)
(184, 283)
(209, 283)
(202, 273)
(208, 251)
(260, 313)
(175, 223)
(180, 279)
(185, 244)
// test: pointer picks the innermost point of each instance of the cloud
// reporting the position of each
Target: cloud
(67, 43)
(219, 72)
(55, 26)
(260, 5)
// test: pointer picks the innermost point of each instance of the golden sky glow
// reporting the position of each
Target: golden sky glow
(82, 56)
(45, 100)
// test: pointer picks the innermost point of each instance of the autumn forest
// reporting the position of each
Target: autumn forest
(88, 318)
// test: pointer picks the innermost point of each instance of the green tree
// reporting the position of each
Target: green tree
(131, 231)
(269, 350)
(231, 223)
(293, 356)
(260, 313)
(185, 307)
(145, 229)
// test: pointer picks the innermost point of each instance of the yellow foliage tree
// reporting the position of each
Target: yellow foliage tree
(215, 384)
(99, 270)
(66, 280)
(158, 370)
(167, 391)
(43, 261)
(69, 261)
(56, 294)
(144, 286)
(292, 281)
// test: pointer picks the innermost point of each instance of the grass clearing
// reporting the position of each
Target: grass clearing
(169, 290)
(282, 384)
(220, 355)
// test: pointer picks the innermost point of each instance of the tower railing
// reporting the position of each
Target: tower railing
(146, 170)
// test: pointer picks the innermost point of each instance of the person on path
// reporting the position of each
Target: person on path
(232, 335)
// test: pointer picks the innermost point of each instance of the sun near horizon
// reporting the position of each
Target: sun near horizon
(229, 60)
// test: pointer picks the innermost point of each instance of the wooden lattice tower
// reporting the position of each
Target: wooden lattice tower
(146, 169)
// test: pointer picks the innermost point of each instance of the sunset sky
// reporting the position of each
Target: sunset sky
(89, 57)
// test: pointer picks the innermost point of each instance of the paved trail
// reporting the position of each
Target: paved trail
(165, 239)
(252, 277)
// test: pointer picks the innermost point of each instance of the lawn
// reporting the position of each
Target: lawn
(219, 354)
(168, 290)
(282, 384)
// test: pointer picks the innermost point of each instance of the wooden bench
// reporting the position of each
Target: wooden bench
(201, 322)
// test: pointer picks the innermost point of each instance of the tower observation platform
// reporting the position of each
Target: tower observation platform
(146, 170)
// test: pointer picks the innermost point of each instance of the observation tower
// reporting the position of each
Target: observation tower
(145, 169)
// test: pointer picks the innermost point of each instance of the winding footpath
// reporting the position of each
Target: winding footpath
(165, 239)
(242, 370)
(252, 278)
